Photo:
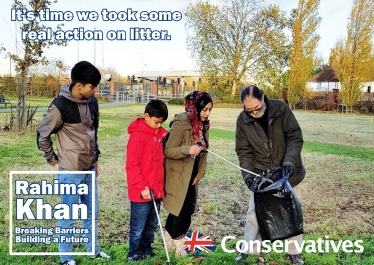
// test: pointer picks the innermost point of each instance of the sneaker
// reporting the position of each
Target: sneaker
(296, 259)
(135, 258)
(241, 257)
(68, 262)
(101, 255)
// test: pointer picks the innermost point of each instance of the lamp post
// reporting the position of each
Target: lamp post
(142, 62)
(172, 84)
(154, 65)
(142, 70)
(94, 50)
(78, 50)
(102, 54)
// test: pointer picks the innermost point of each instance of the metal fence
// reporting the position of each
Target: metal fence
(136, 97)
(126, 97)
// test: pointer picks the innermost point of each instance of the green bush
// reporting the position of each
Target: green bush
(176, 101)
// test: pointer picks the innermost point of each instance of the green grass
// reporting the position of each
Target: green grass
(12, 156)
(39, 101)
(33, 101)
(114, 125)
(312, 147)
(342, 150)
(119, 256)
(19, 152)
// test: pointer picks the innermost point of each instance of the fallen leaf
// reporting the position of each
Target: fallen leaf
(197, 259)
(6, 217)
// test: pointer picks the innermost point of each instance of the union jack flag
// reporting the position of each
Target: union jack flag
(196, 241)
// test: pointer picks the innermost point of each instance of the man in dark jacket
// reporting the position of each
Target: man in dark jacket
(268, 135)
(74, 118)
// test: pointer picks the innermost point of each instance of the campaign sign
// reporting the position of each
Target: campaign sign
(36, 207)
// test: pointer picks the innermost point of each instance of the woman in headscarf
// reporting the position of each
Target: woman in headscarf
(185, 164)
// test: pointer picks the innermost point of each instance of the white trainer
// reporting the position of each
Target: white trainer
(69, 262)
(101, 255)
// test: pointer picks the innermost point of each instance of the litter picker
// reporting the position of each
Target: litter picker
(159, 222)
(263, 179)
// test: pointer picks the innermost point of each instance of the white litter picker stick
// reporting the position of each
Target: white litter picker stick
(250, 172)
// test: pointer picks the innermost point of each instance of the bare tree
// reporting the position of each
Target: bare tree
(232, 39)
(55, 67)
(32, 53)
(337, 52)
(111, 70)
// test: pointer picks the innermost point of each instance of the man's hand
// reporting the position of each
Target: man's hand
(252, 182)
(145, 194)
(287, 172)
(271, 173)
(267, 176)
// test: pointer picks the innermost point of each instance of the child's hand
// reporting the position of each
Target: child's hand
(97, 169)
(145, 194)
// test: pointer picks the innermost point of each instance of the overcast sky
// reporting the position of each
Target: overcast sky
(129, 57)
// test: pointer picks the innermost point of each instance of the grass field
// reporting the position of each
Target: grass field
(39, 102)
(337, 194)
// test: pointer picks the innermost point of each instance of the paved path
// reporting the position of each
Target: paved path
(101, 106)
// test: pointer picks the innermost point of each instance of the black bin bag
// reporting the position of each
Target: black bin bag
(278, 210)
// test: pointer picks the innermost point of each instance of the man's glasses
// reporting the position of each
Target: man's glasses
(252, 110)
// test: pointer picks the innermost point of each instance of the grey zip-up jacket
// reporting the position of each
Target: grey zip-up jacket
(74, 122)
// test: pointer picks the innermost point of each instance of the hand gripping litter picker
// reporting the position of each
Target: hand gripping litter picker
(263, 179)
(159, 222)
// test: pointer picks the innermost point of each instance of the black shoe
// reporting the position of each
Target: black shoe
(296, 259)
(241, 257)
(135, 258)
(149, 255)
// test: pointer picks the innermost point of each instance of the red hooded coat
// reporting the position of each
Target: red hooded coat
(145, 160)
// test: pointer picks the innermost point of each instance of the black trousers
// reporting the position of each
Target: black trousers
(178, 225)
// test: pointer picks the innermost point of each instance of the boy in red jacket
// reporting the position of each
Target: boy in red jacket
(145, 170)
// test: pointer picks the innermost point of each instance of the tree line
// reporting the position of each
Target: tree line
(241, 42)
(234, 42)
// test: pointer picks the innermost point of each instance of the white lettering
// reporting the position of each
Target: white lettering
(46, 188)
(44, 210)
(21, 187)
(223, 244)
(360, 247)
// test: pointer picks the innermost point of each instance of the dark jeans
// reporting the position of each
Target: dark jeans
(143, 225)
(178, 225)
(64, 247)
